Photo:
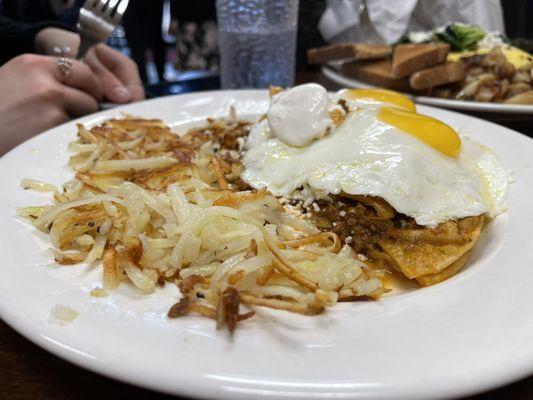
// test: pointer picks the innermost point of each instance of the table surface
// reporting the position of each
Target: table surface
(28, 372)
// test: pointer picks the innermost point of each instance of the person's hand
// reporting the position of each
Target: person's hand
(36, 95)
(117, 73)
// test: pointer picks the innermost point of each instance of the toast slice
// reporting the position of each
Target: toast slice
(348, 51)
(377, 73)
(410, 58)
(439, 75)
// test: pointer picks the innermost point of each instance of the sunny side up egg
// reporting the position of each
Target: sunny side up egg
(383, 148)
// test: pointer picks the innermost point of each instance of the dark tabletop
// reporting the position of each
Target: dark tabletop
(28, 372)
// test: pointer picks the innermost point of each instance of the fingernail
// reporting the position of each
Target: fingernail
(137, 92)
(121, 93)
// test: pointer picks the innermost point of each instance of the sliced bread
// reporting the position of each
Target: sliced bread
(348, 51)
(435, 76)
(377, 73)
(410, 58)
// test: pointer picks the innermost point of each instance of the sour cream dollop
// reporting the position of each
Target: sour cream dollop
(299, 115)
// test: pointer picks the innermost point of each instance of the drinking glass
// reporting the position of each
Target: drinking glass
(257, 40)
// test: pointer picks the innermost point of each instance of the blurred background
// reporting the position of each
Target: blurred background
(176, 40)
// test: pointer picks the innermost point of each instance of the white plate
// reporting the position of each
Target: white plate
(468, 334)
(459, 105)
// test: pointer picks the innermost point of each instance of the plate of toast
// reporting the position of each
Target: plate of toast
(494, 81)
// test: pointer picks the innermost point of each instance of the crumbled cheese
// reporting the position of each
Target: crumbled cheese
(316, 207)
(241, 142)
(342, 213)
(234, 154)
(348, 240)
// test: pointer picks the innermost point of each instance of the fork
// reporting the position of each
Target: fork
(98, 18)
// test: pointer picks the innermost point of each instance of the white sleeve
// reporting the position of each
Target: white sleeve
(339, 16)
(428, 14)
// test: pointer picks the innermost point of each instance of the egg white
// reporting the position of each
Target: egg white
(365, 156)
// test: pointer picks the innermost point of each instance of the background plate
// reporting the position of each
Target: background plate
(508, 110)
(468, 334)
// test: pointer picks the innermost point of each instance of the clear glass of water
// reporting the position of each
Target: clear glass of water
(257, 40)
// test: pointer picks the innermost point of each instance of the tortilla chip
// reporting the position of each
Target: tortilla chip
(416, 259)
(451, 270)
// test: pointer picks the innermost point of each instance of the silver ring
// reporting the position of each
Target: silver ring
(64, 64)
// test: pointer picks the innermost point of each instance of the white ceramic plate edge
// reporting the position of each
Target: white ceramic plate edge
(490, 380)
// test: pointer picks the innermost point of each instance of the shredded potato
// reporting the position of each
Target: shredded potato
(157, 209)
(37, 185)
(63, 315)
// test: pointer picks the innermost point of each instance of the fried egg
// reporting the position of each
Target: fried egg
(382, 148)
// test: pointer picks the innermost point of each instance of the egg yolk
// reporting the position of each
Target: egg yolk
(381, 96)
(429, 130)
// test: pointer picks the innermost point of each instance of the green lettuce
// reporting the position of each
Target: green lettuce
(460, 36)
